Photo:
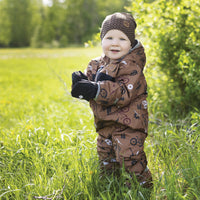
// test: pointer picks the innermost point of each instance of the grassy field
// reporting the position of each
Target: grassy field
(48, 141)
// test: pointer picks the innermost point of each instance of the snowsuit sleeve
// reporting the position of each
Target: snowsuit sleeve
(129, 82)
(92, 68)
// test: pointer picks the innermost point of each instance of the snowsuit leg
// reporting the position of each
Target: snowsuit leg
(119, 145)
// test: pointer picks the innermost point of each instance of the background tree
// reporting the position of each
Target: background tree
(172, 33)
(5, 31)
(49, 30)
(59, 23)
(18, 19)
(20, 22)
(81, 18)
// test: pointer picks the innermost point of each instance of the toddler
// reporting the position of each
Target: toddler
(116, 88)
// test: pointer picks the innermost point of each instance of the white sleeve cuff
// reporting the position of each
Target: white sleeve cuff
(98, 91)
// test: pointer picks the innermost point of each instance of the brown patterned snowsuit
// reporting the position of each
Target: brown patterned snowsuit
(120, 112)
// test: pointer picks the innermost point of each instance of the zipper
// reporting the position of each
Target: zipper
(98, 71)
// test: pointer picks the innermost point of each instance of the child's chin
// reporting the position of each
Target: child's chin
(115, 57)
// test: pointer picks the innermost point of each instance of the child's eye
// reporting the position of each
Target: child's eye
(109, 38)
(122, 39)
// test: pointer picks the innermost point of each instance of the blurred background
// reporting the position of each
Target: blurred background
(52, 23)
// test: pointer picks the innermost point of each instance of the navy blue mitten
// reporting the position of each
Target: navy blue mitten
(104, 77)
(78, 76)
(84, 89)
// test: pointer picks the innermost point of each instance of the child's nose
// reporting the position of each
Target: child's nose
(114, 42)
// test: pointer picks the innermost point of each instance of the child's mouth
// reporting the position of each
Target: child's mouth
(114, 51)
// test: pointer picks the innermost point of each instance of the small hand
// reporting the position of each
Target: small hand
(104, 77)
(78, 76)
(84, 89)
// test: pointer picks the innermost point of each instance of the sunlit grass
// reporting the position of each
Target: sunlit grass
(48, 141)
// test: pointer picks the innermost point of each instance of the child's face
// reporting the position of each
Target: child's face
(115, 44)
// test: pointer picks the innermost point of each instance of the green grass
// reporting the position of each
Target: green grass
(48, 141)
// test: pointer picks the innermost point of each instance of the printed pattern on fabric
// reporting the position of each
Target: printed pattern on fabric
(118, 145)
(122, 100)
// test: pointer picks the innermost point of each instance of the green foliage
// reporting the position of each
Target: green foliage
(4, 24)
(17, 22)
(48, 141)
(176, 152)
(58, 24)
(171, 29)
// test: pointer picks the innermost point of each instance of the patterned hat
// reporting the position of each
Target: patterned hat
(120, 21)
